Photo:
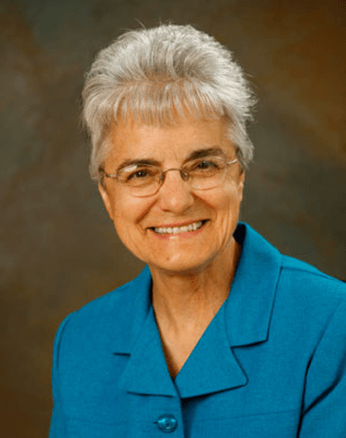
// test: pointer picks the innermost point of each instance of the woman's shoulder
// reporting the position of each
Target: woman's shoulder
(307, 296)
(111, 301)
(298, 285)
(301, 276)
(109, 313)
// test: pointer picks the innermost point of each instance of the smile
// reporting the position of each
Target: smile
(183, 229)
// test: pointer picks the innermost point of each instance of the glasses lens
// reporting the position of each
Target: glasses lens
(141, 180)
(206, 173)
(144, 179)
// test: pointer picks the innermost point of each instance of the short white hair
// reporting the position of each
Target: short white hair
(160, 74)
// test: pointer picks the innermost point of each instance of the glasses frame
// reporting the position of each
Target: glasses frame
(183, 173)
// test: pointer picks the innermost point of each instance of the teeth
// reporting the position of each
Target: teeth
(174, 230)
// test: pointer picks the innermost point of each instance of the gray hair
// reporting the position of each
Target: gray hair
(160, 74)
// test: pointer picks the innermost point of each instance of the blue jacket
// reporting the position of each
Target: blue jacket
(272, 363)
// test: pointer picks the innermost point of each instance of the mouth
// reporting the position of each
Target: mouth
(194, 226)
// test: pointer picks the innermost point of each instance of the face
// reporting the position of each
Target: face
(204, 220)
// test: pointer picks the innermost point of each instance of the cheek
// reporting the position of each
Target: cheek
(227, 204)
(128, 213)
(227, 199)
(126, 227)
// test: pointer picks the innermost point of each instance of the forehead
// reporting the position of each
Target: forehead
(134, 140)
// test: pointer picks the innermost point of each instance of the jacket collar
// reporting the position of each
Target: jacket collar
(244, 319)
(133, 304)
(251, 299)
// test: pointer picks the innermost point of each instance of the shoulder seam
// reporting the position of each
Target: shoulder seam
(313, 271)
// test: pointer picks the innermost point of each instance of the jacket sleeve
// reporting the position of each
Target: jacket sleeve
(58, 421)
(324, 410)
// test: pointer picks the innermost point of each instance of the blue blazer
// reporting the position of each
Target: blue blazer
(272, 363)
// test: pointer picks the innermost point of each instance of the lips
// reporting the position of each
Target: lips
(194, 226)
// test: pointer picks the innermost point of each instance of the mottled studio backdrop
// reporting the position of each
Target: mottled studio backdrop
(58, 249)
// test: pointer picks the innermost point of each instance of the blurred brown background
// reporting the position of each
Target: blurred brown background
(58, 249)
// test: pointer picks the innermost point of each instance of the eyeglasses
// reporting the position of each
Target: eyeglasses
(143, 180)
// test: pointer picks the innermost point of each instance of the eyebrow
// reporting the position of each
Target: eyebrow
(205, 152)
(194, 155)
(138, 162)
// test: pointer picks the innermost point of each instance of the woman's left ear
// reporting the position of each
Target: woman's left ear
(242, 178)
(241, 183)
(105, 197)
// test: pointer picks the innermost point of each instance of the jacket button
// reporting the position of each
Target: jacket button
(167, 423)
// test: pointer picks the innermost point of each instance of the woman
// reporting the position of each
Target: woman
(221, 335)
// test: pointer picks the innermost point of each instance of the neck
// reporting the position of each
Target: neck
(185, 301)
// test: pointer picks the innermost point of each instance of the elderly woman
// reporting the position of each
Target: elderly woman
(221, 335)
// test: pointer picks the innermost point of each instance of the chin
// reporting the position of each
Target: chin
(181, 266)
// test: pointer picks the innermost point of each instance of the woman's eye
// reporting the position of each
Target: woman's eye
(139, 174)
(206, 165)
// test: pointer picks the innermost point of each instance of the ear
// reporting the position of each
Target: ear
(242, 178)
(106, 200)
(241, 183)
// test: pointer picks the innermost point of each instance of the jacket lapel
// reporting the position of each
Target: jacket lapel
(135, 334)
(146, 371)
(212, 366)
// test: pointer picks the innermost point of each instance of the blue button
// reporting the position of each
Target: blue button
(167, 423)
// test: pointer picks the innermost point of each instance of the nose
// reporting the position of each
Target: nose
(175, 194)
